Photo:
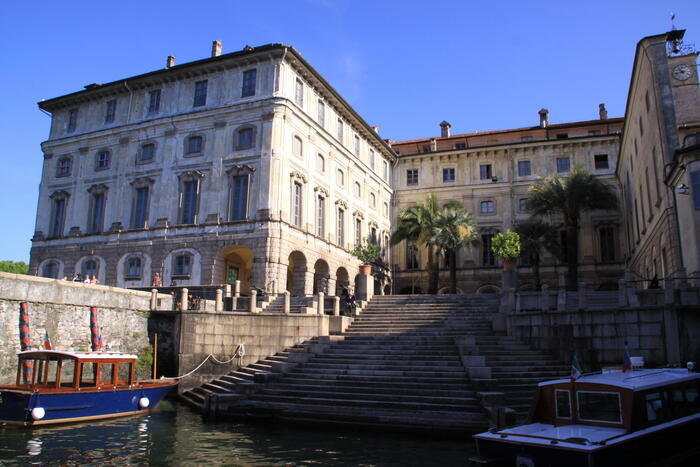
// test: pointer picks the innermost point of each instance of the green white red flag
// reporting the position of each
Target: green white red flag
(576, 371)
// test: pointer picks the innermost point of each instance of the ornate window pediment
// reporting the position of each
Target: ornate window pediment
(358, 214)
(240, 169)
(295, 175)
(341, 203)
(99, 188)
(321, 191)
(142, 182)
(61, 194)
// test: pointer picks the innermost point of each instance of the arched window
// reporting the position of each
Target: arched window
(358, 190)
(320, 163)
(340, 177)
(133, 268)
(244, 138)
(297, 147)
(372, 200)
(63, 168)
(89, 268)
(386, 209)
(50, 270)
(194, 145)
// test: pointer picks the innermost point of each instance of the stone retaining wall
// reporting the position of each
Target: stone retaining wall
(62, 309)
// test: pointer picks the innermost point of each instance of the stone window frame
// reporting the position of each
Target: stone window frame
(357, 191)
(357, 147)
(110, 111)
(201, 90)
(299, 93)
(152, 101)
(190, 176)
(412, 176)
(522, 205)
(320, 163)
(237, 146)
(493, 206)
(339, 131)
(412, 259)
(298, 146)
(487, 257)
(139, 154)
(82, 265)
(179, 273)
(239, 171)
(560, 170)
(341, 206)
(51, 262)
(139, 183)
(72, 123)
(372, 200)
(385, 169)
(386, 209)
(187, 141)
(93, 191)
(249, 82)
(340, 177)
(54, 230)
(598, 226)
(372, 158)
(64, 166)
(98, 159)
(529, 167)
(321, 113)
(490, 172)
(598, 158)
(127, 267)
(320, 198)
(297, 211)
(447, 171)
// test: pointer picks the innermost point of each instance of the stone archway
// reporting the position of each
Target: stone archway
(296, 273)
(236, 263)
(342, 281)
(488, 289)
(321, 277)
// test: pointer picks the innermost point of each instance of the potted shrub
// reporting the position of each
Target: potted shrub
(367, 252)
(506, 245)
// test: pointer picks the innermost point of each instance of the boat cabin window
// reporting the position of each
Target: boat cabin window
(672, 403)
(563, 403)
(124, 373)
(67, 372)
(88, 372)
(45, 372)
(106, 373)
(655, 405)
(599, 406)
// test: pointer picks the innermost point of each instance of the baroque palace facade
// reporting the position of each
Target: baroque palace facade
(249, 166)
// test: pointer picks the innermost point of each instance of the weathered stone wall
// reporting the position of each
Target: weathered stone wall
(62, 309)
(262, 335)
(661, 336)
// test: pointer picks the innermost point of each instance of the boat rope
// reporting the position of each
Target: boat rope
(238, 353)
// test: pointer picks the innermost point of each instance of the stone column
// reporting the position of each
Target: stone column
(544, 300)
(336, 306)
(320, 304)
(287, 302)
(237, 289)
(183, 299)
(331, 285)
(154, 299)
(253, 308)
(308, 282)
(365, 287)
(228, 290)
(582, 298)
(219, 305)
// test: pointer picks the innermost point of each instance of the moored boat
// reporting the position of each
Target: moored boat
(609, 419)
(62, 387)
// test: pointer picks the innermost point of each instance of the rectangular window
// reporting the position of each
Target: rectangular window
(340, 130)
(299, 93)
(97, 211)
(695, 187)
(154, 101)
(411, 256)
(321, 113)
(563, 164)
(485, 172)
(140, 209)
(562, 135)
(460, 145)
(599, 406)
(357, 146)
(239, 197)
(245, 138)
(102, 160)
(563, 403)
(133, 267)
(200, 93)
(358, 231)
(183, 265)
(249, 78)
(147, 152)
(607, 244)
(593, 132)
(522, 204)
(320, 216)
(487, 257)
(448, 175)
(525, 139)
(296, 208)
(412, 177)
(601, 161)
(110, 111)
(59, 212)
(341, 227)
(72, 120)
(189, 202)
(371, 158)
(385, 165)
(486, 207)
(524, 169)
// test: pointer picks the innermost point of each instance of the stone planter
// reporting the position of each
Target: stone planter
(509, 264)
(366, 269)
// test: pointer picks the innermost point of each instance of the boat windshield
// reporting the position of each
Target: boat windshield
(46, 371)
(596, 406)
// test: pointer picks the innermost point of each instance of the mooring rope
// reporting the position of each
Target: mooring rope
(239, 352)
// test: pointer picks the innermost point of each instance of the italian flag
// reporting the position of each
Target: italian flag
(576, 371)
(47, 341)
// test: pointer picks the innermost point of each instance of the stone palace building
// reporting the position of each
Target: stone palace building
(249, 166)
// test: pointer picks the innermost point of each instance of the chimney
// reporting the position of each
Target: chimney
(376, 129)
(445, 129)
(544, 118)
(216, 48)
(602, 112)
(170, 62)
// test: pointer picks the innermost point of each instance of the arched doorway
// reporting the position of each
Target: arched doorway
(342, 281)
(236, 265)
(321, 276)
(296, 273)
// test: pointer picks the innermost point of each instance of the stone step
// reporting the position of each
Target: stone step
(323, 393)
(433, 366)
(427, 390)
(367, 403)
(418, 358)
(442, 379)
(382, 372)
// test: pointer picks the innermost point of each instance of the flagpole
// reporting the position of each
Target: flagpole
(155, 354)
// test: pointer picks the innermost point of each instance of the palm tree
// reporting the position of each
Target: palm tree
(454, 228)
(414, 225)
(534, 236)
(570, 197)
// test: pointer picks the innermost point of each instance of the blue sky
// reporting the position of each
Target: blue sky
(404, 65)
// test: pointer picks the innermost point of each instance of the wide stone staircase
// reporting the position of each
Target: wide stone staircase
(396, 365)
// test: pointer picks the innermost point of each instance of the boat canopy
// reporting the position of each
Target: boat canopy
(64, 354)
(636, 380)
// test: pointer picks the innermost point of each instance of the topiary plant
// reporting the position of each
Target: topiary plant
(366, 251)
(506, 245)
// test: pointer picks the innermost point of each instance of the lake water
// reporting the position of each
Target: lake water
(176, 435)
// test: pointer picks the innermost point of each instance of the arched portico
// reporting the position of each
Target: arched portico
(342, 280)
(297, 271)
(321, 277)
(235, 262)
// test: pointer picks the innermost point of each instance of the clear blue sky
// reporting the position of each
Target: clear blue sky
(404, 65)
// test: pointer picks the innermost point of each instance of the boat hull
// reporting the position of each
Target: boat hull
(637, 449)
(64, 407)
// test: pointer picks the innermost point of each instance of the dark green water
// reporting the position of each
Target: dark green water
(176, 435)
